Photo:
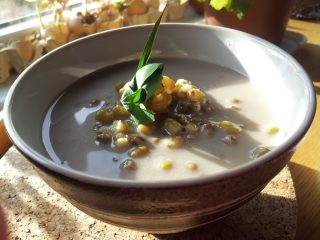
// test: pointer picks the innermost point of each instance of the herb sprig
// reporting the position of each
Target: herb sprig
(145, 82)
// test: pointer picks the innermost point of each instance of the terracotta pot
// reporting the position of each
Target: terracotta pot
(266, 18)
(197, 6)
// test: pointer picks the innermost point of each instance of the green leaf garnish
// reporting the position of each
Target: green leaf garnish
(148, 47)
(239, 7)
(145, 82)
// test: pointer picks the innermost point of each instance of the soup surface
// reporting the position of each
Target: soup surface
(70, 126)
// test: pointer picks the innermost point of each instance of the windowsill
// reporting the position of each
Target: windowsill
(20, 30)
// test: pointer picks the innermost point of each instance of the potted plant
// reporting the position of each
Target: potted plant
(264, 18)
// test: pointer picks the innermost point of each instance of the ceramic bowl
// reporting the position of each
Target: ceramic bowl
(166, 206)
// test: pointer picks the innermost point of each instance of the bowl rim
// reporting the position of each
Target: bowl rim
(113, 182)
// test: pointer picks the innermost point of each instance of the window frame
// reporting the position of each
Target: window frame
(19, 28)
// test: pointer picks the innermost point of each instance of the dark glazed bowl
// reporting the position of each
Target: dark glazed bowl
(166, 206)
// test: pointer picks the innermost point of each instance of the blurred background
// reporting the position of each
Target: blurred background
(16, 9)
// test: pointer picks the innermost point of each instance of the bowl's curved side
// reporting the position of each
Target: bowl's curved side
(167, 206)
(164, 210)
(24, 113)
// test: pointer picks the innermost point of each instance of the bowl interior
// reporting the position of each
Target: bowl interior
(284, 82)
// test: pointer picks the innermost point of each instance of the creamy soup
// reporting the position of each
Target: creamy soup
(233, 126)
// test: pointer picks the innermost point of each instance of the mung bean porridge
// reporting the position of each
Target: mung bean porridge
(205, 124)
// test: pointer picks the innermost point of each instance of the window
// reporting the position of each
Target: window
(15, 10)
(19, 18)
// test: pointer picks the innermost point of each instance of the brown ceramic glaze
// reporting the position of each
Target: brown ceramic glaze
(161, 209)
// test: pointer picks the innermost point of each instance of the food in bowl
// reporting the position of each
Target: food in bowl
(156, 128)
(196, 132)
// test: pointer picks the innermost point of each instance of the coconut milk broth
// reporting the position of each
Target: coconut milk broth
(70, 140)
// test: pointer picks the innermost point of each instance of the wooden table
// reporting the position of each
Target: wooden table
(305, 164)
